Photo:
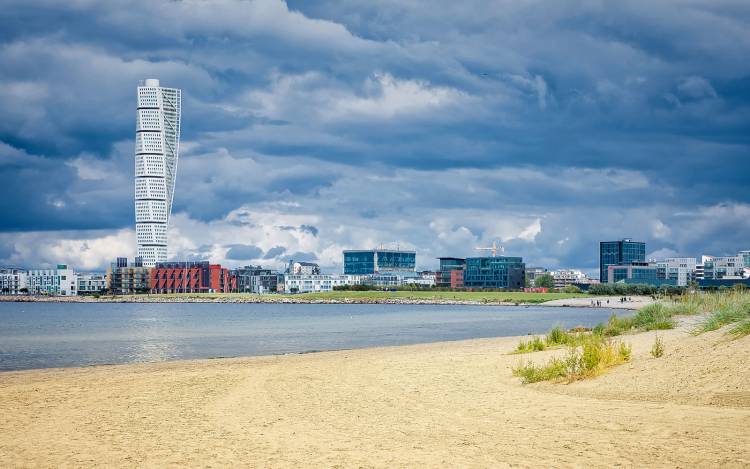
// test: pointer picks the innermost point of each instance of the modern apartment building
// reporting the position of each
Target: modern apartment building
(191, 277)
(303, 268)
(252, 279)
(60, 281)
(715, 268)
(318, 283)
(623, 252)
(680, 269)
(128, 280)
(90, 283)
(495, 272)
(157, 141)
(379, 261)
(565, 277)
(533, 272)
(13, 281)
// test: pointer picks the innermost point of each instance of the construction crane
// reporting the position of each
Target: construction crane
(494, 248)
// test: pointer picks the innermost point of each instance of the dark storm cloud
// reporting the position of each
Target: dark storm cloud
(365, 113)
(241, 252)
(274, 252)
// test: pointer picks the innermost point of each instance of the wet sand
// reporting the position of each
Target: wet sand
(444, 404)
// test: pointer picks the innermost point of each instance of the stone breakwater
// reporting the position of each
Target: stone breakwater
(253, 299)
(613, 303)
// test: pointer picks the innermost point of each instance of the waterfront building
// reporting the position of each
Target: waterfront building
(379, 261)
(13, 281)
(252, 279)
(680, 269)
(318, 283)
(565, 277)
(90, 283)
(625, 251)
(635, 272)
(451, 272)
(303, 268)
(122, 279)
(157, 141)
(60, 281)
(745, 255)
(191, 277)
(424, 279)
(715, 268)
(533, 272)
(495, 272)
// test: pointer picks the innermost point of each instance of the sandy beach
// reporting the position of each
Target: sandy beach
(451, 404)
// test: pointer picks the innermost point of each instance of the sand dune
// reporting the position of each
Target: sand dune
(447, 404)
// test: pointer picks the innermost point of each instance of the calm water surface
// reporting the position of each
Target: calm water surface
(48, 335)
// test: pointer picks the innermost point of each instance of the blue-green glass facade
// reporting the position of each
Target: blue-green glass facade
(369, 262)
(619, 253)
(640, 274)
(495, 272)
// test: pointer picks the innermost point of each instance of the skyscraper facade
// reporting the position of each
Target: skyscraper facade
(157, 141)
(623, 252)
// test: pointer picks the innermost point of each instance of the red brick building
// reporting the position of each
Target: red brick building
(457, 278)
(191, 277)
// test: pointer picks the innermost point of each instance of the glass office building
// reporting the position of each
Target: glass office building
(444, 276)
(375, 261)
(495, 272)
(621, 252)
(636, 273)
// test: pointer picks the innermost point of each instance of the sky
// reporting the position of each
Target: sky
(439, 126)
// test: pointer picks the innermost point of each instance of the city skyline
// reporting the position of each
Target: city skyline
(335, 130)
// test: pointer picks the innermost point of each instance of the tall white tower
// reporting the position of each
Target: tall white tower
(157, 141)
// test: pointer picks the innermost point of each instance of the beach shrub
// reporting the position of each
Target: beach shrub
(652, 317)
(557, 336)
(741, 329)
(617, 326)
(535, 344)
(595, 355)
(657, 350)
(570, 289)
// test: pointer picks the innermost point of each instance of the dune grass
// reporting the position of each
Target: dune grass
(595, 354)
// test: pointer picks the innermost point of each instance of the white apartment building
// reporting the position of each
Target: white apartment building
(90, 283)
(303, 268)
(723, 267)
(565, 277)
(681, 269)
(318, 283)
(12, 281)
(60, 281)
(157, 141)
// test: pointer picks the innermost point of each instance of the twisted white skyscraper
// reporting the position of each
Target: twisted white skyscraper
(157, 141)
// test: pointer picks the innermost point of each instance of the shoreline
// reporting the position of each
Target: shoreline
(577, 302)
(434, 404)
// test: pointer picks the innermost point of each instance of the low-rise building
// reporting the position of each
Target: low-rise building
(13, 281)
(60, 281)
(256, 279)
(636, 272)
(565, 277)
(424, 279)
(90, 283)
(191, 277)
(318, 283)
(122, 279)
(303, 268)
(533, 272)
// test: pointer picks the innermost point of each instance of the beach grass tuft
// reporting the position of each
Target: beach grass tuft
(657, 350)
(594, 355)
